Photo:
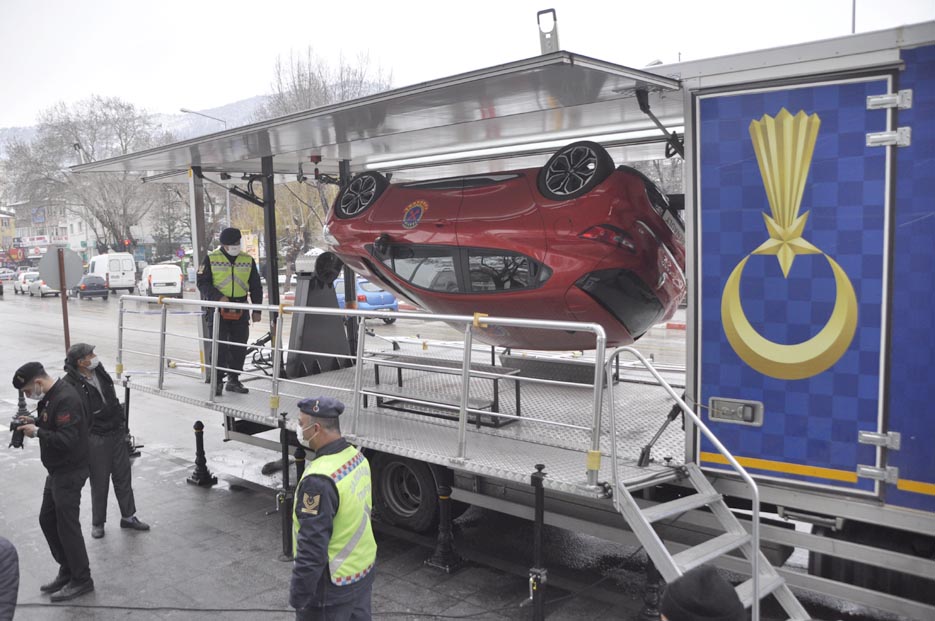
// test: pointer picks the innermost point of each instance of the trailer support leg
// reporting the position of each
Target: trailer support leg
(651, 594)
(285, 497)
(445, 557)
(538, 575)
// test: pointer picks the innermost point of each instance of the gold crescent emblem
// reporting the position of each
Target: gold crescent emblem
(784, 146)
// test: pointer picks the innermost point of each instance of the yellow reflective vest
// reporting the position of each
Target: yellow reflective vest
(352, 550)
(231, 279)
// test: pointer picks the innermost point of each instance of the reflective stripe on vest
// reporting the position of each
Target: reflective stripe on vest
(234, 275)
(352, 549)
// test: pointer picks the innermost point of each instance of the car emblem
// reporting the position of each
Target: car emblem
(413, 213)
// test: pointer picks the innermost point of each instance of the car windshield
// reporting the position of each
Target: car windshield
(366, 285)
(30, 277)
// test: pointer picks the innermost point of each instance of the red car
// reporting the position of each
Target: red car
(577, 239)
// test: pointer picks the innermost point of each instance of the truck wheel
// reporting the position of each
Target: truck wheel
(405, 493)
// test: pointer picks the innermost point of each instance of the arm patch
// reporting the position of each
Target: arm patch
(62, 419)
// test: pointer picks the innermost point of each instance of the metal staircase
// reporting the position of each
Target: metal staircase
(764, 581)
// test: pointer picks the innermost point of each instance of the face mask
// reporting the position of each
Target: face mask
(95, 361)
(232, 250)
(300, 433)
(35, 396)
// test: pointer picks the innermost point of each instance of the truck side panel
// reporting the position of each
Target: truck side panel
(810, 422)
(912, 355)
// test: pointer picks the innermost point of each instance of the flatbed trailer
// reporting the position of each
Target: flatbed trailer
(821, 444)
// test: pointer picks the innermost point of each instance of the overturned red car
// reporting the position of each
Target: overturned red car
(575, 240)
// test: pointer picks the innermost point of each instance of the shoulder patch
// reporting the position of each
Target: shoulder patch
(63, 419)
(310, 504)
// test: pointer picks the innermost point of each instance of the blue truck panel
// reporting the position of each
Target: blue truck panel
(810, 427)
(912, 354)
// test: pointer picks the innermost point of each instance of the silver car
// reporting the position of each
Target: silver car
(38, 287)
(21, 284)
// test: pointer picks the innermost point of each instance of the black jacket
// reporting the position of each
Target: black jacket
(63, 429)
(209, 291)
(105, 411)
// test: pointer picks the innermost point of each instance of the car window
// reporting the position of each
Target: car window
(424, 266)
(93, 280)
(492, 270)
(128, 265)
(113, 265)
(30, 277)
(366, 285)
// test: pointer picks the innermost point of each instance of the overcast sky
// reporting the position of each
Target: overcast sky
(204, 53)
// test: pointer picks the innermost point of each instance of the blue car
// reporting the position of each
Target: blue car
(369, 297)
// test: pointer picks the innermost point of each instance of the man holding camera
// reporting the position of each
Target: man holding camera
(62, 428)
(229, 275)
(107, 438)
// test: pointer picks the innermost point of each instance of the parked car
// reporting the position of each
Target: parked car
(21, 284)
(577, 239)
(90, 286)
(7, 274)
(38, 287)
(161, 280)
(370, 296)
(118, 269)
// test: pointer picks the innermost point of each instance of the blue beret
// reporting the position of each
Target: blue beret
(321, 407)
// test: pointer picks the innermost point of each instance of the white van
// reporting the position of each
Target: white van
(162, 280)
(117, 268)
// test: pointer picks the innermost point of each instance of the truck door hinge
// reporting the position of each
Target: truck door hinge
(888, 474)
(902, 137)
(890, 439)
(901, 100)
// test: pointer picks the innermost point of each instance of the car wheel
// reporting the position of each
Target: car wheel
(104, 298)
(31, 294)
(360, 195)
(405, 492)
(574, 170)
(389, 320)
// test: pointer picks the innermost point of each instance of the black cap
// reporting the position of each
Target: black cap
(27, 373)
(230, 236)
(321, 407)
(78, 351)
(701, 595)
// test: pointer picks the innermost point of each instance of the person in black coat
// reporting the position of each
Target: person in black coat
(62, 428)
(109, 455)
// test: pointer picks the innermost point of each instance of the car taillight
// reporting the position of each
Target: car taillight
(84, 287)
(361, 298)
(107, 282)
(609, 235)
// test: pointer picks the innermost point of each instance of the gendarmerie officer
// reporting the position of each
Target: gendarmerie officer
(229, 274)
(109, 455)
(332, 539)
(62, 429)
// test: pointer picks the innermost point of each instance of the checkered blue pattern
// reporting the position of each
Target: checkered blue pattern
(346, 469)
(357, 577)
(912, 351)
(812, 422)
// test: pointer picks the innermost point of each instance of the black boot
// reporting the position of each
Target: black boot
(73, 590)
(60, 582)
(234, 385)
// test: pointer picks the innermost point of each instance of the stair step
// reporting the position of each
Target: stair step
(678, 506)
(711, 549)
(767, 585)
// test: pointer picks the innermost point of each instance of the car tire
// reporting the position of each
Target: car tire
(405, 492)
(360, 195)
(574, 170)
(105, 298)
(389, 320)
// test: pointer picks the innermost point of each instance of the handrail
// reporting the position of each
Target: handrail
(696, 420)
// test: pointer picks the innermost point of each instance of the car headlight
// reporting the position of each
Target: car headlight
(327, 237)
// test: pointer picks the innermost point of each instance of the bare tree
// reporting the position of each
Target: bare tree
(96, 128)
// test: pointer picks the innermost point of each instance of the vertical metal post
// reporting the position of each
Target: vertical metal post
(285, 498)
(269, 226)
(651, 593)
(201, 476)
(277, 369)
(465, 390)
(196, 198)
(299, 456)
(162, 345)
(444, 556)
(215, 331)
(62, 287)
(538, 575)
(350, 278)
(119, 367)
(594, 455)
(359, 372)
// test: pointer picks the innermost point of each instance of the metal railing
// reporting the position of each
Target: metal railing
(696, 420)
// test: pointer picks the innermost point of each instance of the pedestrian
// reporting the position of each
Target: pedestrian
(227, 275)
(9, 579)
(332, 539)
(62, 428)
(109, 453)
(701, 594)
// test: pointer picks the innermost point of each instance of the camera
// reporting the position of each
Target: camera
(18, 421)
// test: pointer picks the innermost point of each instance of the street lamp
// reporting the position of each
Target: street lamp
(214, 118)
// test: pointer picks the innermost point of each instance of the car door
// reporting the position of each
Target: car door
(420, 213)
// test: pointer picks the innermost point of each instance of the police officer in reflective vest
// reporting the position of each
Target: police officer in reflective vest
(332, 540)
(229, 274)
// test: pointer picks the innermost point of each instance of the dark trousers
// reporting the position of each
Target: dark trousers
(9, 579)
(357, 609)
(109, 457)
(58, 517)
(232, 356)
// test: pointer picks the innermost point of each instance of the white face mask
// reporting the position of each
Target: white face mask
(95, 361)
(300, 433)
(232, 250)
(35, 396)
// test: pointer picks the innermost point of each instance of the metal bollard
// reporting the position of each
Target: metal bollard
(299, 456)
(651, 594)
(201, 476)
(538, 575)
(445, 557)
